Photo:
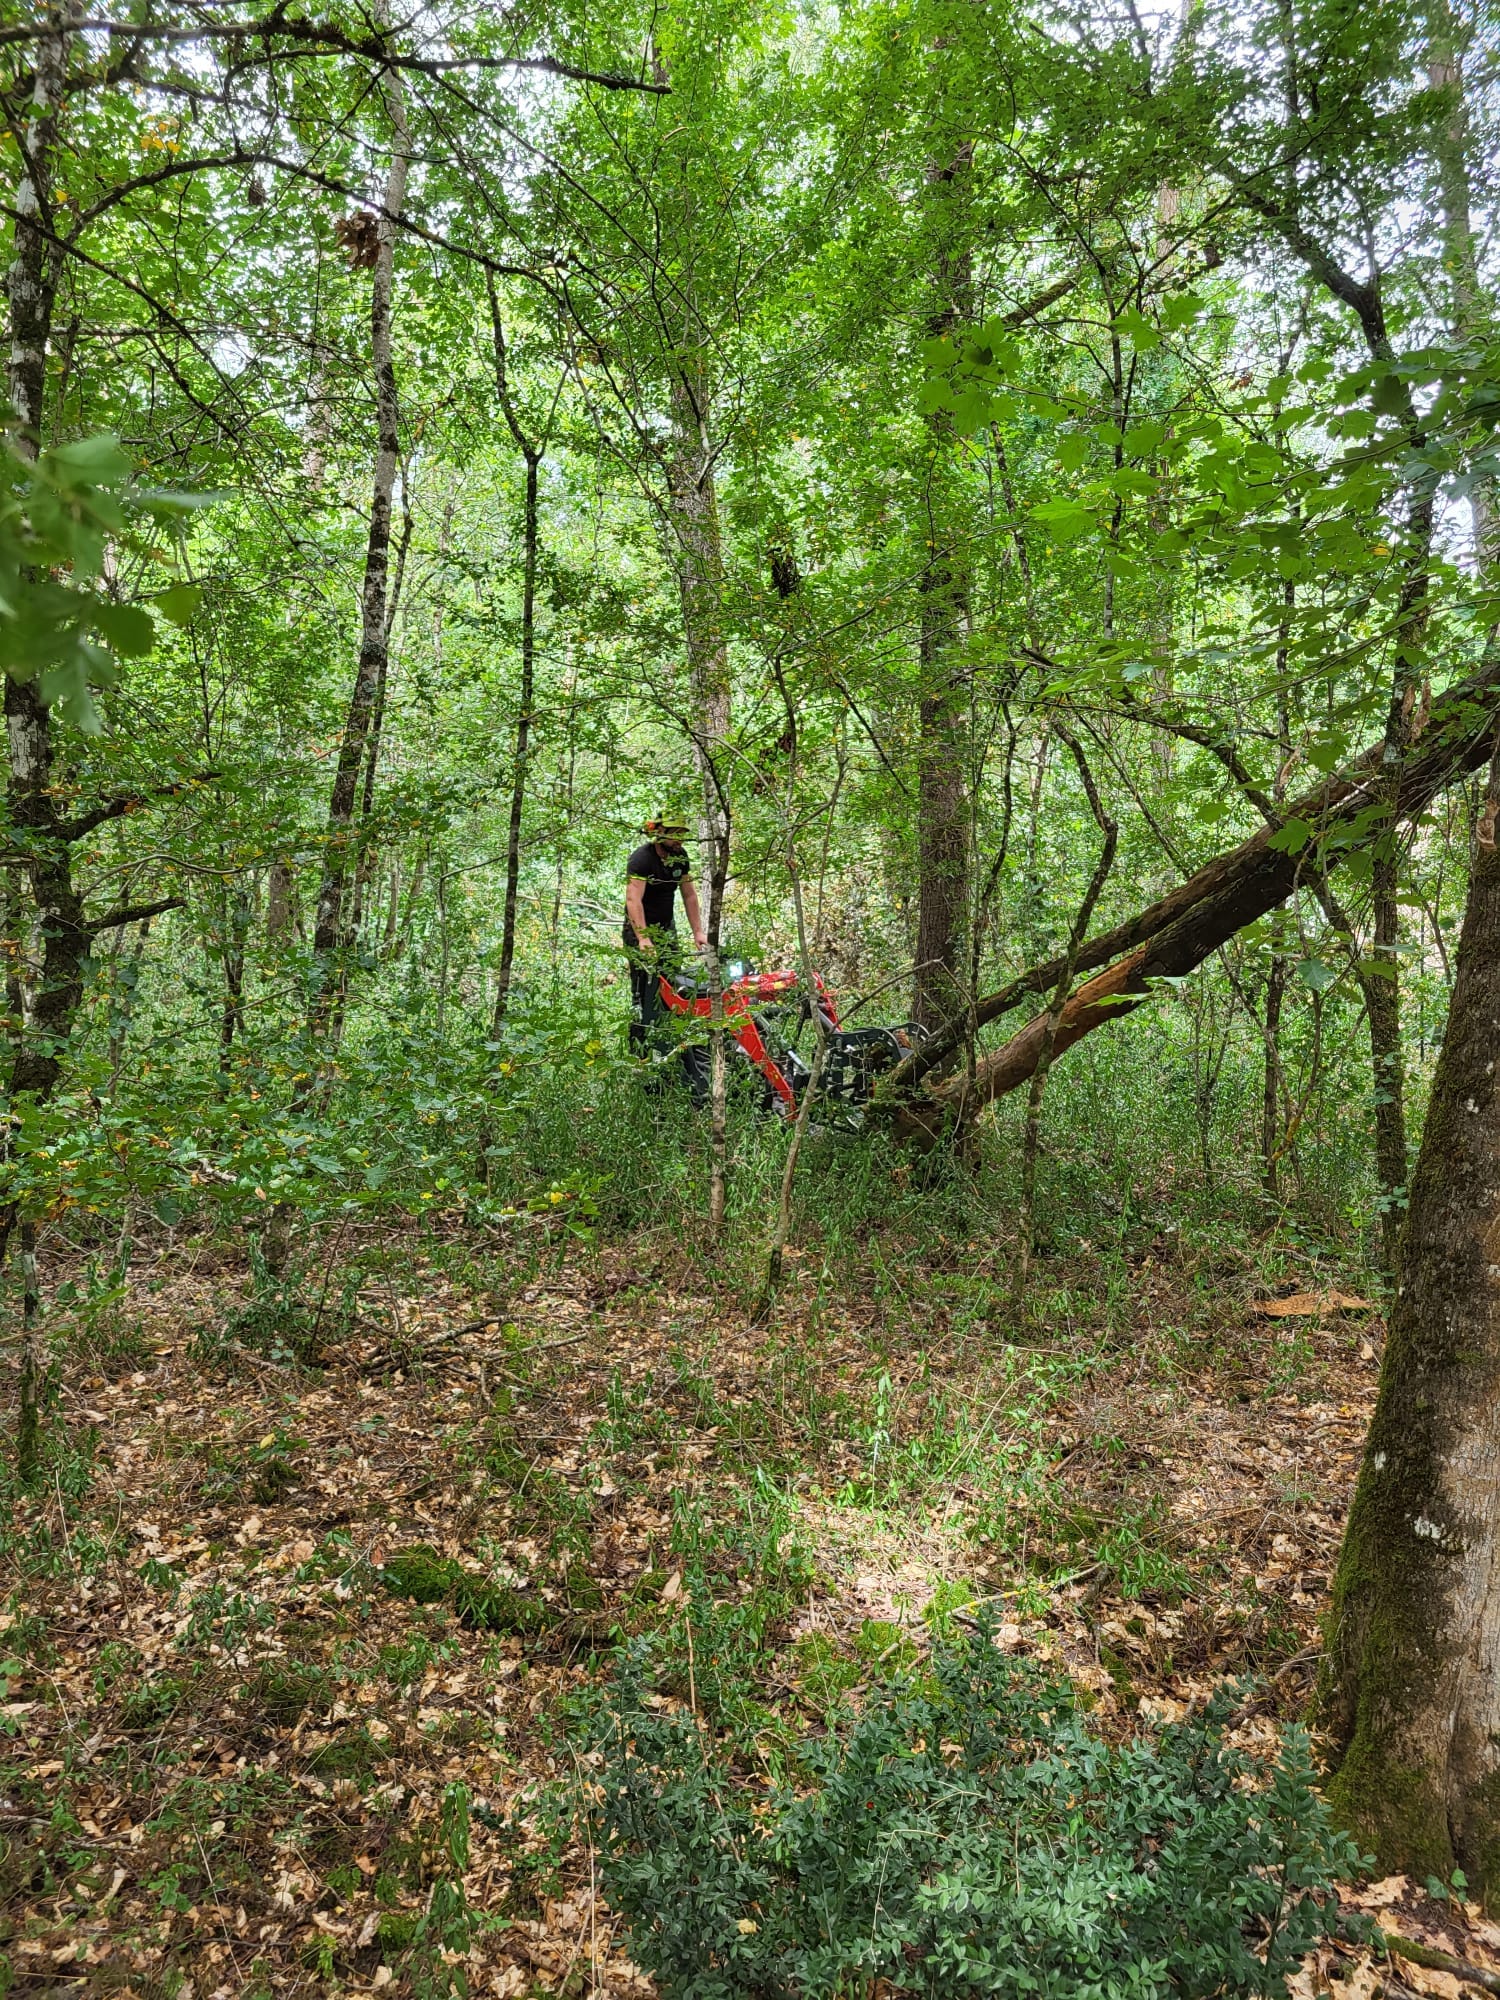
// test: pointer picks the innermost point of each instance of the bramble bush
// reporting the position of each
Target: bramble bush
(965, 1833)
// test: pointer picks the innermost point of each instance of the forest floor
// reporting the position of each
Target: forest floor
(233, 1728)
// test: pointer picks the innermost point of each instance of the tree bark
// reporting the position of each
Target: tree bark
(31, 291)
(1270, 1114)
(532, 453)
(330, 927)
(1031, 1138)
(1412, 1689)
(943, 833)
(1452, 141)
(693, 509)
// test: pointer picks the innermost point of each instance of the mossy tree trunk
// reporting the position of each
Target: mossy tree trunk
(1412, 1688)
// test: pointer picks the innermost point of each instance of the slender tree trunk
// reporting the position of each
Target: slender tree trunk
(783, 1223)
(1471, 312)
(1270, 1121)
(569, 763)
(942, 812)
(522, 750)
(1270, 1114)
(694, 510)
(532, 452)
(1412, 1692)
(330, 924)
(122, 999)
(943, 846)
(233, 959)
(31, 1389)
(1382, 993)
(1031, 1141)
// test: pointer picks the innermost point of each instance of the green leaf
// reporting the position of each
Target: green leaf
(1291, 838)
(1138, 330)
(1315, 974)
(92, 461)
(180, 603)
(1065, 520)
(1182, 310)
(126, 627)
(1072, 451)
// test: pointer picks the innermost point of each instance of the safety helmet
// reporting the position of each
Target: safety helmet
(665, 828)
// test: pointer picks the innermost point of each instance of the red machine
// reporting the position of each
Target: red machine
(765, 1013)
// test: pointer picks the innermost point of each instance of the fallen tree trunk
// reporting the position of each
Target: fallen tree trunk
(1176, 934)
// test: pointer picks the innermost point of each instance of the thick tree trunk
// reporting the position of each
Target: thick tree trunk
(1177, 933)
(330, 924)
(1412, 1693)
(31, 289)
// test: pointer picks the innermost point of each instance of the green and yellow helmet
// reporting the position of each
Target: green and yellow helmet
(666, 826)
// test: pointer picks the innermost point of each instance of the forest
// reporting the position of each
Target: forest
(750, 1165)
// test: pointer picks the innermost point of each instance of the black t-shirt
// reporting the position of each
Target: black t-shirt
(661, 874)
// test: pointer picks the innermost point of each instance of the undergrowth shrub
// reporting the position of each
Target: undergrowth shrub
(965, 1833)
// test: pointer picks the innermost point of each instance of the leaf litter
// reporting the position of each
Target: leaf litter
(268, 1620)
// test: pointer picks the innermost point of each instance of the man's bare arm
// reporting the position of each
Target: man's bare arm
(635, 910)
(694, 914)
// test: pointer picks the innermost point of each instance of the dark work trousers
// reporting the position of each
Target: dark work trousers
(650, 1031)
(646, 1007)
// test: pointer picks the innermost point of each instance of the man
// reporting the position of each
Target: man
(653, 875)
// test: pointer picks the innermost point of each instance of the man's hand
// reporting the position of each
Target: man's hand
(701, 940)
(644, 945)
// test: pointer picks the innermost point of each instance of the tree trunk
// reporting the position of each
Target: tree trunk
(232, 958)
(943, 832)
(1270, 1114)
(522, 748)
(329, 928)
(1382, 992)
(1412, 1691)
(532, 452)
(1031, 1137)
(942, 811)
(694, 510)
(1445, 42)
(31, 293)
(31, 290)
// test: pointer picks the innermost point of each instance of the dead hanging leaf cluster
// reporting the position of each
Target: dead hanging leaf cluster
(359, 236)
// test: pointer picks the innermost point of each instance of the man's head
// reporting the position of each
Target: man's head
(666, 834)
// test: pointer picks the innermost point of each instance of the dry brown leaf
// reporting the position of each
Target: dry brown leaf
(1429, 1978)
(1303, 1305)
(1379, 1895)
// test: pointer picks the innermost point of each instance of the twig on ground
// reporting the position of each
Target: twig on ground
(1434, 1960)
